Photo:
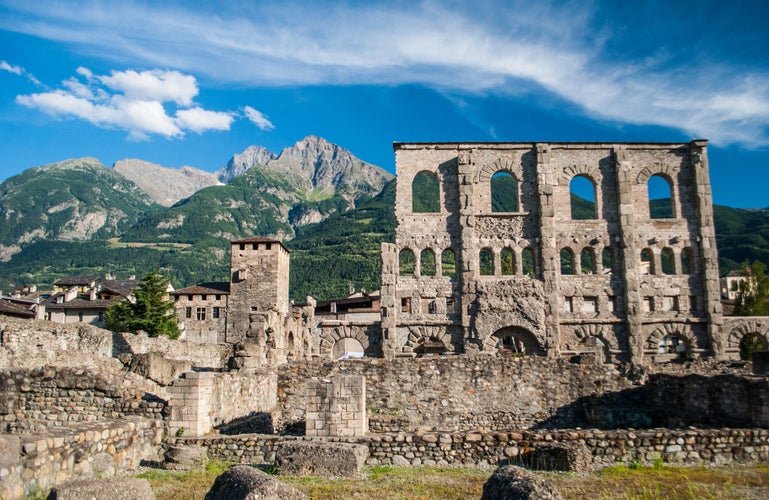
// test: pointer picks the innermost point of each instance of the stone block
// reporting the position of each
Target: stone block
(10, 448)
(185, 458)
(314, 458)
(560, 456)
(120, 488)
(157, 368)
(518, 483)
(247, 483)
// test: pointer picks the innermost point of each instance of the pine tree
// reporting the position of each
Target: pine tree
(150, 312)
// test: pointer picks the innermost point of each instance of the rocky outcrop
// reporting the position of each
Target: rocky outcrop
(247, 483)
(165, 185)
(515, 483)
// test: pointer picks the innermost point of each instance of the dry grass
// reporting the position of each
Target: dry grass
(668, 482)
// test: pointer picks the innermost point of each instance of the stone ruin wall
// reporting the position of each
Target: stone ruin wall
(487, 306)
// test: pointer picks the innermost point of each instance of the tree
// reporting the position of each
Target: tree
(150, 312)
(753, 299)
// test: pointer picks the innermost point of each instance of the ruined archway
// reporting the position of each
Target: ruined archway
(671, 339)
(335, 341)
(515, 339)
(428, 340)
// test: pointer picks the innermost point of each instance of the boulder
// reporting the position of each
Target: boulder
(185, 457)
(515, 483)
(247, 483)
(119, 488)
(316, 458)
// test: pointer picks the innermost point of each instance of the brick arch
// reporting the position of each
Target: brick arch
(499, 165)
(737, 333)
(592, 172)
(669, 172)
(602, 332)
(418, 334)
(662, 331)
(490, 342)
(329, 339)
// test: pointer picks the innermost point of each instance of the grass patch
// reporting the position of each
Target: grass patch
(621, 481)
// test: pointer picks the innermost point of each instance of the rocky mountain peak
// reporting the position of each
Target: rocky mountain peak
(253, 155)
(164, 185)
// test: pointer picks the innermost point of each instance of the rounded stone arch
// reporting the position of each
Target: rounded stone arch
(330, 338)
(430, 196)
(420, 336)
(602, 332)
(510, 166)
(665, 330)
(532, 343)
(666, 171)
(591, 172)
(743, 329)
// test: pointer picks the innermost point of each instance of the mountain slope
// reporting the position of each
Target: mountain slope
(78, 199)
(164, 185)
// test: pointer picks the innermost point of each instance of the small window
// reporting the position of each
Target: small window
(667, 259)
(504, 192)
(189, 298)
(218, 297)
(612, 303)
(589, 305)
(687, 261)
(406, 305)
(660, 197)
(448, 263)
(568, 304)
(582, 192)
(648, 304)
(425, 193)
(242, 246)
(671, 344)
(176, 298)
(527, 262)
(254, 309)
(187, 312)
(80, 317)
(406, 262)
(647, 261)
(204, 297)
(450, 306)
(506, 262)
(431, 309)
(607, 260)
(486, 260)
(200, 313)
(670, 303)
(215, 313)
(567, 261)
(587, 261)
(268, 246)
(427, 262)
(693, 303)
(255, 246)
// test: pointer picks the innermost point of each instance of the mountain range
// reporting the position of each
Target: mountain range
(331, 209)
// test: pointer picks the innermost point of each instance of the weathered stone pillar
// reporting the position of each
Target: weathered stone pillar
(468, 258)
(629, 253)
(190, 404)
(388, 303)
(336, 407)
(548, 249)
(707, 242)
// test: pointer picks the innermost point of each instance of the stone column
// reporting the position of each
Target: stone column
(548, 249)
(389, 302)
(190, 404)
(629, 253)
(467, 260)
(707, 242)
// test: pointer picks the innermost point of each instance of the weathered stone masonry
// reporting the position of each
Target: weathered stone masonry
(635, 281)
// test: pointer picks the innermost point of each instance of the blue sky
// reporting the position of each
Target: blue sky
(192, 83)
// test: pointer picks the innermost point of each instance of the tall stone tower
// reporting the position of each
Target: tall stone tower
(258, 284)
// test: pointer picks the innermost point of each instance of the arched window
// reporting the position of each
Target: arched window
(660, 197)
(582, 191)
(425, 193)
(672, 344)
(607, 260)
(406, 262)
(667, 260)
(448, 263)
(527, 262)
(587, 258)
(486, 261)
(751, 343)
(647, 261)
(687, 261)
(567, 261)
(504, 192)
(506, 261)
(427, 262)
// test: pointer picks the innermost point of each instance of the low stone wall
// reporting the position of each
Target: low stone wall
(488, 449)
(456, 393)
(34, 463)
(33, 400)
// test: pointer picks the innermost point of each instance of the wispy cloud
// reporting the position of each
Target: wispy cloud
(132, 101)
(258, 118)
(501, 47)
(16, 70)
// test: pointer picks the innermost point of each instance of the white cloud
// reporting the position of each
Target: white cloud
(199, 120)
(139, 109)
(17, 70)
(488, 47)
(258, 118)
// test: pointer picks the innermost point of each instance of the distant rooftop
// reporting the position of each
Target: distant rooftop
(76, 280)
